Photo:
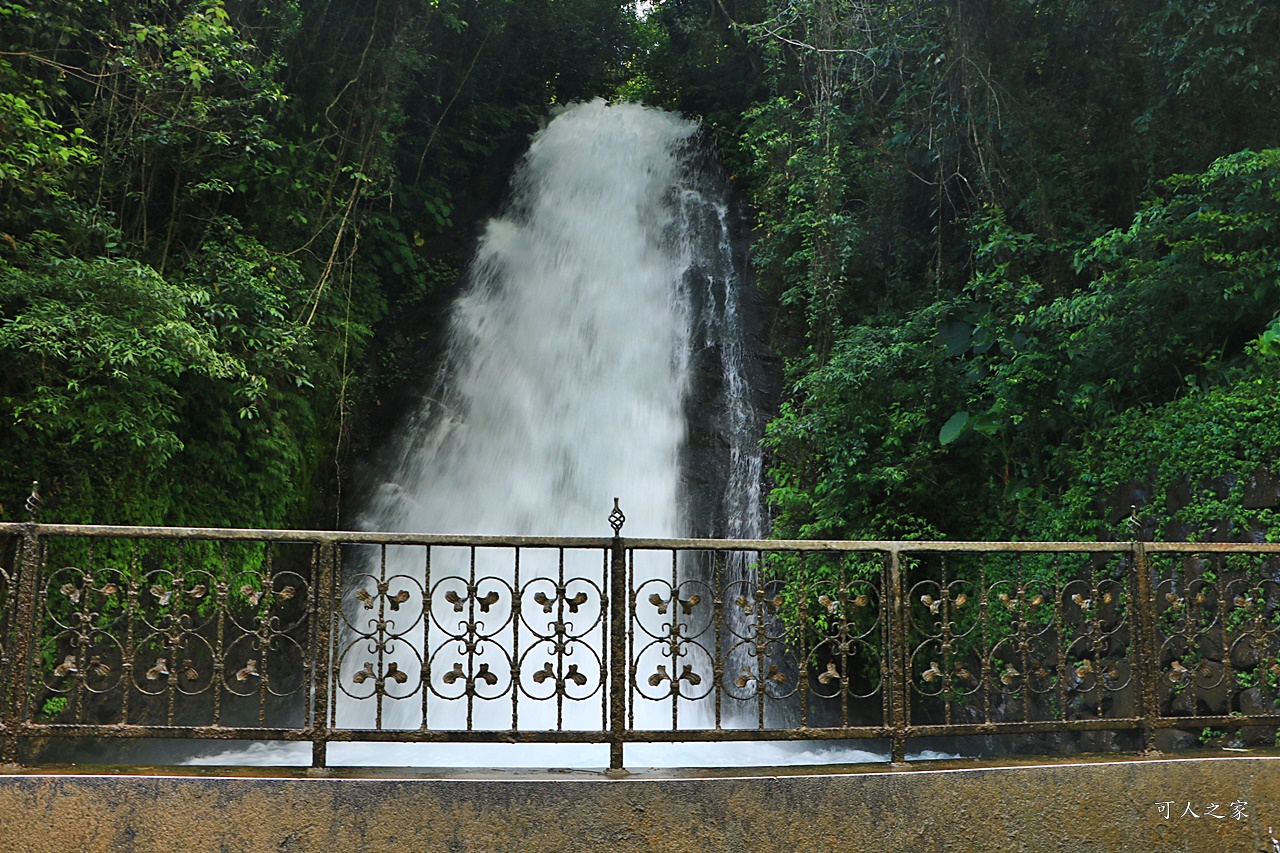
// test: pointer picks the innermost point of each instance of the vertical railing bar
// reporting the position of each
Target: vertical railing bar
(81, 641)
(311, 662)
(561, 638)
(337, 618)
(944, 596)
(9, 673)
(897, 661)
(673, 633)
(619, 622)
(221, 606)
(802, 646)
(424, 674)
(470, 684)
(132, 580)
(1228, 677)
(842, 600)
(26, 625)
(324, 657)
(515, 640)
(604, 635)
(379, 683)
(8, 639)
(1099, 644)
(265, 635)
(175, 603)
(1031, 632)
(717, 617)
(1145, 651)
(984, 615)
(630, 620)
(884, 604)
(631, 668)
(1059, 622)
(761, 597)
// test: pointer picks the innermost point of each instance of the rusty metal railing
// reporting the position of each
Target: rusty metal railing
(323, 637)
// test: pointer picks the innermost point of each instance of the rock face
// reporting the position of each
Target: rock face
(736, 382)
(1259, 490)
(1262, 490)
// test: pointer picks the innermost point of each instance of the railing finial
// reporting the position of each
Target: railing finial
(1134, 522)
(616, 518)
(34, 502)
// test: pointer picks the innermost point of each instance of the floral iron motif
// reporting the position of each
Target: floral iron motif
(664, 604)
(459, 601)
(832, 605)
(367, 600)
(548, 603)
(1012, 603)
(456, 674)
(548, 672)
(935, 603)
(749, 605)
(69, 667)
(393, 672)
(686, 674)
(775, 675)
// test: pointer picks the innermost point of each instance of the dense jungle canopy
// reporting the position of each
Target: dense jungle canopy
(1026, 253)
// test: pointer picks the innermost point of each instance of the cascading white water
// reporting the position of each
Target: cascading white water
(568, 358)
(565, 384)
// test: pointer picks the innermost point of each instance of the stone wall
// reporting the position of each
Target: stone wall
(970, 807)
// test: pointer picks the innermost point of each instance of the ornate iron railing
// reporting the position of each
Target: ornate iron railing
(328, 637)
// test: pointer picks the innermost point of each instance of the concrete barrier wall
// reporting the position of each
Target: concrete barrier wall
(1151, 806)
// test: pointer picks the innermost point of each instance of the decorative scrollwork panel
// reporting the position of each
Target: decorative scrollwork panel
(172, 633)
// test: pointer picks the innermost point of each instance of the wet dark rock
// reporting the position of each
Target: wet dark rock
(1257, 700)
(1178, 496)
(1172, 740)
(1102, 741)
(1244, 656)
(1179, 703)
(1211, 688)
(1261, 490)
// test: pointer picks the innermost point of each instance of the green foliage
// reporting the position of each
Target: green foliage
(1269, 340)
(854, 454)
(208, 206)
(1193, 459)
(53, 706)
(1025, 258)
(94, 350)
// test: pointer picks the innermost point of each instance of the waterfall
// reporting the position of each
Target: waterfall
(568, 357)
(601, 317)
(590, 304)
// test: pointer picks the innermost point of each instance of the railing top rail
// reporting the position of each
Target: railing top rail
(361, 537)
(338, 537)
(872, 545)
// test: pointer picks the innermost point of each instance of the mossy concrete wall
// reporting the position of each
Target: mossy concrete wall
(1083, 806)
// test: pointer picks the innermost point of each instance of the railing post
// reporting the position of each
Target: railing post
(897, 662)
(321, 654)
(24, 626)
(617, 640)
(1146, 663)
